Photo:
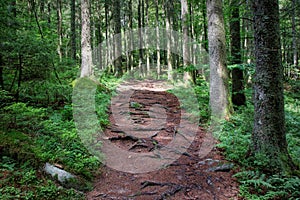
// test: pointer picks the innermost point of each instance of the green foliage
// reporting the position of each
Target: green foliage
(5, 98)
(202, 92)
(17, 116)
(235, 134)
(256, 185)
(25, 182)
(235, 137)
(32, 136)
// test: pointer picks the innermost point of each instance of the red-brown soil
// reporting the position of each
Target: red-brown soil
(189, 177)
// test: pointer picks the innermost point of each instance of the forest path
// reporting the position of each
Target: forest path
(188, 177)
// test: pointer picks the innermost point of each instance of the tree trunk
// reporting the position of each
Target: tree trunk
(238, 96)
(141, 71)
(219, 93)
(1, 72)
(268, 138)
(169, 40)
(157, 40)
(59, 29)
(205, 39)
(294, 32)
(147, 53)
(73, 30)
(20, 66)
(86, 50)
(185, 42)
(49, 13)
(107, 55)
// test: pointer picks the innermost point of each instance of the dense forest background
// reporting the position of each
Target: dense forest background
(46, 45)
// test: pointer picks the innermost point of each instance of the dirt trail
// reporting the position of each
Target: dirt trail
(189, 177)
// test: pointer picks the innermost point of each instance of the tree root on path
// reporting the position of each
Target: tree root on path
(170, 192)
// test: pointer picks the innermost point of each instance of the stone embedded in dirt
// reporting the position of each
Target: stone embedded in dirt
(208, 161)
(62, 175)
(221, 168)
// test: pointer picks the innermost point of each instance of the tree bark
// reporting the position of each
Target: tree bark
(268, 137)
(169, 40)
(141, 53)
(117, 42)
(238, 96)
(185, 43)
(1, 72)
(86, 50)
(157, 40)
(59, 29)
(294, 32)
(130, 39)
(219, 92)
(73, 30)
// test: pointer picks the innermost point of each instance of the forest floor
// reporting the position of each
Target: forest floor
(188, 177)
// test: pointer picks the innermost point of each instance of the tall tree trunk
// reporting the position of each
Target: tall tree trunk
(248, 46)
(268, 136)
(20, 66)
(140, 5)
(59, 29)
(49, 13)
(147, 53)
(1, 72)
(131, 58)
(238, 96)
(107, 55)
(86, 50)
(73, 29)
(185, 42)
(219, 92)
(117, 42)
(205, 36)
(157, 39)
(169, 40)
(294, 32)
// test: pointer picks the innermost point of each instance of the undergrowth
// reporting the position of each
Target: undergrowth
(31, 136)
(235, 138)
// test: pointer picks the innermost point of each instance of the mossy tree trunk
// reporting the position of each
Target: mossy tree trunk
(269, 137)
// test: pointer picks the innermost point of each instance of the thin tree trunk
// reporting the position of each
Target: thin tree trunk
(185, 44)
(169, 41)
(73, 29)
(117, 42)
(140, 38)
(238, 96)
(130, 26)
(219, 91)
(107, 56)
(205, 39)
(59, 29)
(269, 137)
(49, 13)
(157, 40)
(86, 50)
(146, 38)
(1, 72)
(33, 8)
(20, 66)
(294, 32)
